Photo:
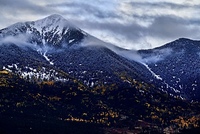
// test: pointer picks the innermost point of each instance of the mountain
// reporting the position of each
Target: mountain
(53, 30)
(55, 74)
(177, 64)
(54, 42)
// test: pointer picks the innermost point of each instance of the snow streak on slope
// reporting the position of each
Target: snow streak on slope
(154, 74)
(43, 53)
(159, 78)
(45, 56)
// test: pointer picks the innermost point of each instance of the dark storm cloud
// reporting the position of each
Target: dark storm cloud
(163, 5)
(130, 31)
(172, 27)
(19, 6)
(13, 11)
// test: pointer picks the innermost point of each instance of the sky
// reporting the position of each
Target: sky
(131, 24)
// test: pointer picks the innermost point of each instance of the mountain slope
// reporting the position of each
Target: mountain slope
(52, 43)
(177, 63)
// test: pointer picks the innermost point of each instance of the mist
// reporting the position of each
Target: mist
(18, 40)
(153, 57)
(22, 41)
(156, 55)
(128, 54)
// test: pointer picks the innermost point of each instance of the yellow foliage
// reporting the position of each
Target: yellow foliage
(154, 117)
(85, 114)
(4, 72)
(55, 98)
(50, 83)
(147, 104)
(19, 104)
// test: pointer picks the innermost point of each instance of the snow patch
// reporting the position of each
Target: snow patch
(70, 41)
(154, 74)
(168, 86)
(32, 74)
(45, 56)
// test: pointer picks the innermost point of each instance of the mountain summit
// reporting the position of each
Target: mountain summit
(53, 30)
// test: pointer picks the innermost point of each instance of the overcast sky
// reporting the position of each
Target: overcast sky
(132, 24)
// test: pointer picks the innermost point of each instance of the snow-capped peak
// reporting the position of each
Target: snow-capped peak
(53, 30)
(52, 21)
(54, 16)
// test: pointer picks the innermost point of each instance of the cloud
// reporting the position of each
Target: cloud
(21, 5)
(86, 9)
(129, 54)
(22, 41)
(130, 24)
(142, 25)
(172, 27)
(19, 39)
(19, 10)
(157, 55)
(162, 30)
